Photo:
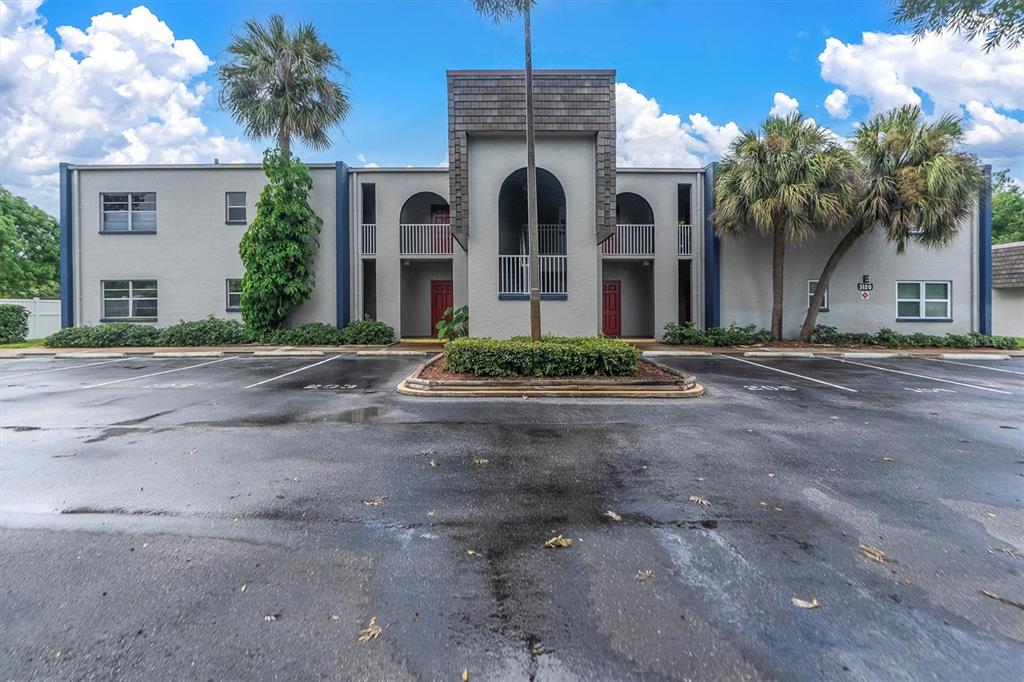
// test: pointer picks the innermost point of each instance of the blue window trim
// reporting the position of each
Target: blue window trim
(342, 241)
(924, 319)
(141, 320)
(985, 254)
(127, 232)
(67, 312)
(232, 310)
(526, 297)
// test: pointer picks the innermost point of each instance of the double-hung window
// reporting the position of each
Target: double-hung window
(129, 299)
(234, 211)
(812, 284)
(923, 301)
(128, 212)
(234, 294)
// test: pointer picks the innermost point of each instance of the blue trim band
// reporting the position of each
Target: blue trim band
(67, 312)
(712, 292)
(526, 297)
(985, 254)
(342, 239)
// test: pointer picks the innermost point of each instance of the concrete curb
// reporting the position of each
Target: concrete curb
(873, 356)
(676, 353)
(973, 356)
(778, 354)
(396, 353)
(88, 356)
(695, 391)
(190, 354)
(287, 353)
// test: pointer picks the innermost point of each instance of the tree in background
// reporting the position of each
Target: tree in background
(787, 181)
(29, 250)
(1000, 21)
(277, 249)
(500, 10)
(280, 84)
(1007, 210)
(911, 183)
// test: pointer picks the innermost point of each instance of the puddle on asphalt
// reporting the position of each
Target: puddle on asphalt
(358, 415)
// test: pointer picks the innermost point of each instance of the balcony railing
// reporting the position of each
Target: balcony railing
(630, 240)
(514, 275)
(551, 239)
(368, 243)
(425, 239)
(685, 240)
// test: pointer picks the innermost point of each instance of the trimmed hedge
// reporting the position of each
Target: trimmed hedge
(13, 323)
(892, 339)
(550, 357)
(733, 335)
(217, 332)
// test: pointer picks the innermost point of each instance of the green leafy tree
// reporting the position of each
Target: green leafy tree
(277, 249)
(29, 250)
(788, 181)
(1000, 21)
(500, 10)
(1007, 210)
(911, 183)
(280, 84)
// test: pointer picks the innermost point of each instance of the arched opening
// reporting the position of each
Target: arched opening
(513, 235)
(632, 209)
(425, 245)
(634, 228)
(423, 229)
(424, 208)
(627, 270)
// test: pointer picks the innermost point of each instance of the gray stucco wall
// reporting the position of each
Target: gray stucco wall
(193, 251)
(637, 295)
(1008, 311)
(416, 278)
(746, 281)
(571, 160)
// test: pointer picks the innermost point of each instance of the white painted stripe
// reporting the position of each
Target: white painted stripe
(792, 374)
(287, 353)
(294, 371)
(778, 354)
(189, 354)
(922, 376)
(872, 356)
(61, 369)
(968, 364)
(166, 371)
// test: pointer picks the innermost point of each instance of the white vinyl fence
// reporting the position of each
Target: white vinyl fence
(43, 315)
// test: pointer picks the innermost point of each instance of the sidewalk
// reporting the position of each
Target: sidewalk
(210, 351)
(820, 350)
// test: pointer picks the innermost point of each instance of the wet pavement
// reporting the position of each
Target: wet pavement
(246, 517)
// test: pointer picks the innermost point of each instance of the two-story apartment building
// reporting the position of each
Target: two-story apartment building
(623, 251)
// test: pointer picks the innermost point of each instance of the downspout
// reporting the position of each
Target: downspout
(67, 292)
(77, 314)
(712, 293)
(342, 239)
(985, 254)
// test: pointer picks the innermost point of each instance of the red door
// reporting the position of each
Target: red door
(440, 300)
(442, 239)
(611, 307)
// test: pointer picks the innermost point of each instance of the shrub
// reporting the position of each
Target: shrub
(105, 336)
(13, 323)
(550, 357)
(892, 339)
(368, 332)
(453, 323)
(208, 332)
(360, 333)
(684, 333)
(733, 335)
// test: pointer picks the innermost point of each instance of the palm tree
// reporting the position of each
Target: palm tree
(911, 184)
(788, 181)
(500, 10)
(279, 84)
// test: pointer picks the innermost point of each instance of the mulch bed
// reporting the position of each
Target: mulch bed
(647, 371)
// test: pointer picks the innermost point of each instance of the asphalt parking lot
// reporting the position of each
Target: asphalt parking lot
(242, 517)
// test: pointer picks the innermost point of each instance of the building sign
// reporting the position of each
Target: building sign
(865, 285)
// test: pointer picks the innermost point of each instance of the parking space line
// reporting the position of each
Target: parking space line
(922, 376)
(166, 371)
(294, 371)
(61, 369)
(792, 374)
(968, 364)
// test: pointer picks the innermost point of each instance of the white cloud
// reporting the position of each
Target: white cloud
(783, 105)
(648, 136)
(361, 158)
(123, 90)
(836, 104)
(997, 138)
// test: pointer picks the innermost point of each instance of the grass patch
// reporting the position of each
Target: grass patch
(27, 343)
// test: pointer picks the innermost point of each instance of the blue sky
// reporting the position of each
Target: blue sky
(697, 72)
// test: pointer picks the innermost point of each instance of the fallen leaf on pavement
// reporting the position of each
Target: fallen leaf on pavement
(1004, 600)
(434, 462)
(887, 459)
(613, 516)
(558, 542)
(374, 501)
(771, 475)
(991, 515)
(271, 616)
(696, 499)
(465, 675)
(873, 553)
(471, 552)
(371, 631)
(479, 461)
(333, 618)
(641, 576)
(804, 604)
(243, 587)
(191, 451)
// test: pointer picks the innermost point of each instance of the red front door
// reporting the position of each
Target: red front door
(611, 308)
(440, 300)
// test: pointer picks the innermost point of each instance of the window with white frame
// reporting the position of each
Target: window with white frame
(923, 300)
(812, 284)
(129, 299)
(234, 211)
(234, 294)
(128, 212)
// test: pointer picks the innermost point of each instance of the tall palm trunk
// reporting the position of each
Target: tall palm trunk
(824, 278)
(531, 189)
(778, 256)
(284, 141)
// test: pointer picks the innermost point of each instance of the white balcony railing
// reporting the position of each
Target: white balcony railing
(425, 239)
(551, 239)
(368, 244)
(514, 275)
(685, 240)
(630, 240)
